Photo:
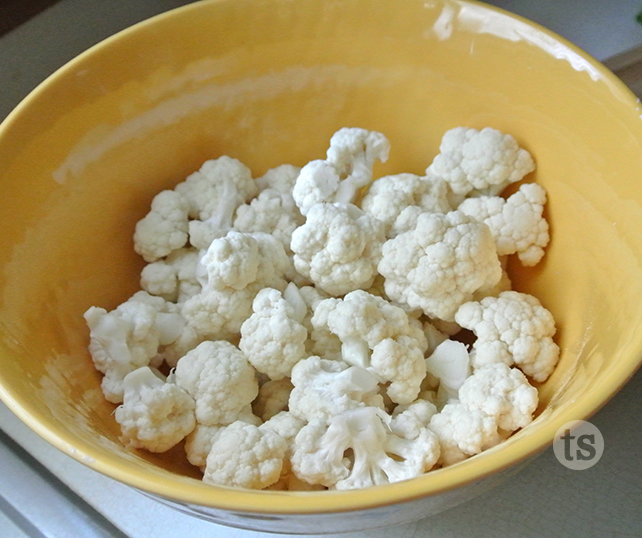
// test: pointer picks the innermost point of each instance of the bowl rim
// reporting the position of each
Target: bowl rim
(186, 490)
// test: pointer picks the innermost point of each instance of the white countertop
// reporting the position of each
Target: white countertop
(544, 499)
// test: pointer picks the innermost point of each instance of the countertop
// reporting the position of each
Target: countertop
(44, 492)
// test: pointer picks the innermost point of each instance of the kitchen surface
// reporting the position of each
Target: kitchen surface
(45, 493)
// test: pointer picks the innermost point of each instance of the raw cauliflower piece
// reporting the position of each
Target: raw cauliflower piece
(463, 432)
(450, 363)
(155, 415)
(220, 379)
(218, 314)
(438, 265)
(198, 444)
(378, 337)
(213, 193)
(485, 161)
(516, 223)
(237, 266)
(273, 398)
(378, 455)
(173, 278)
(274, 210)
(239, 259)
(280, 178)
(321, 341)
(391, 199)
(503, 393)
(407, 421)
(324, 388)
(347, 168)
(513, 328)
(128, 338)
(338, 248)
(164, 228)
(245, 456)
(273, 338)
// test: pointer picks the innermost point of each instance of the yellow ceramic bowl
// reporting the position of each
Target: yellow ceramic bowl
(268, 82)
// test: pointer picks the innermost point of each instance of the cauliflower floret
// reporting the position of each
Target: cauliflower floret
(440, 264)
(155, 415)
(245, 456)
(129, 337)
(280, 178)
(213, 193)
(273, 398)
(394, 198)
(484, 161)
(338, 248)
(321, 341)
(220, 379)
(513, 328)
(173, 278)
(273, 338)
(198, 444)
(347, 168)
(239, 259)
(408, 420)
(324, 388)
(378, 455)
(463, 432)
(378, 337)
(503, 393)
(219, 314)
(238, 266)
(274, 210)
(269, 213)
(164, 228)
(450, 363)
(517, 223)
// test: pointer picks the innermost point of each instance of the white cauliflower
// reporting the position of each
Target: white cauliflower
(450, 363)
(347, 168)
(338, 248)
(513, 328)
(155, 414)
(517, 223)
(321, 341)
(378, 337)
(407, 421)
(164, 228)
(245, 456)
(485, 161)
(274, 210)
(378, 456)
(220, 379)
(273, 338)
(440, 264)
(324, 388)
(213, 193)
(238, 266)
(129, 337)
(503, 393)
(174, 277)
(393, 199)
(198, 444)
(273, 398)
(463, 432)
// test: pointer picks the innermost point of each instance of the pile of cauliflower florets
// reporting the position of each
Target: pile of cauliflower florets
(301, 331)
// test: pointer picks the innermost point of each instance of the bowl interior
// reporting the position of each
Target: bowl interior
(268, 82)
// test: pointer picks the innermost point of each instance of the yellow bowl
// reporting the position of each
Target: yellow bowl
(268, 82)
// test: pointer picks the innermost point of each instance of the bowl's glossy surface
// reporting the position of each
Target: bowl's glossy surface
(268, 82)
